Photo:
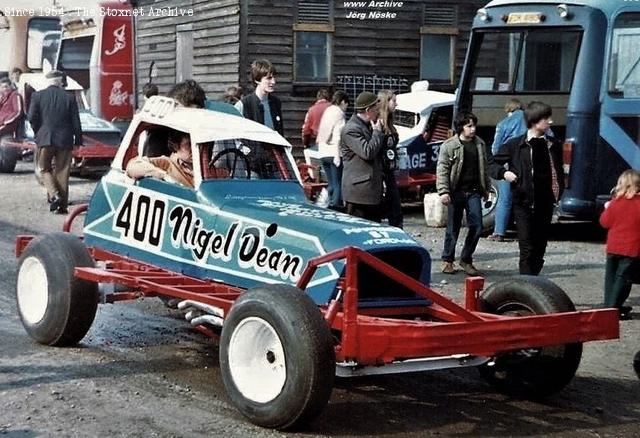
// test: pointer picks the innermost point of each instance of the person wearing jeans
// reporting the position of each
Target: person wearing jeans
(462, 180)
(329, 130)
(471, 202)
(511, 126)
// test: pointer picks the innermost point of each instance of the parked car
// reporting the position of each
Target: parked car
(100, 137)
(296, 293)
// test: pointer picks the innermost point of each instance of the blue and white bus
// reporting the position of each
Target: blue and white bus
(581, 57)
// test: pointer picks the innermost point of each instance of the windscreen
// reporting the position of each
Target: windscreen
(246, 159)
(624, 64)
(75, 53)
(526, 61)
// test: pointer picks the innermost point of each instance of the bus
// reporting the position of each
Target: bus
(580, 57)
(96, 50)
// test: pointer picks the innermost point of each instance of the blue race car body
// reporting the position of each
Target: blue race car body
(244, 230)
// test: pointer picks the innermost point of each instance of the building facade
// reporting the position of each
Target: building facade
(350, 45)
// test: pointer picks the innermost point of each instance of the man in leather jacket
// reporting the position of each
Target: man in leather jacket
(534, 169)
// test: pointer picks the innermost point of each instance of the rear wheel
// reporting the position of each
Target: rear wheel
(8, 156)
(488, 209)
(276, 357)
(55, 307)
(534, 372)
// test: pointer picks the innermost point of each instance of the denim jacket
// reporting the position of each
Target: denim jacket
(509, 127)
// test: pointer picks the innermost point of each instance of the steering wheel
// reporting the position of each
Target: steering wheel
(227, 169)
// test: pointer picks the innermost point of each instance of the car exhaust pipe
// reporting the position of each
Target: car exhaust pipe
(200, 313)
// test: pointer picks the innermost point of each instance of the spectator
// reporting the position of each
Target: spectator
(11, 108)
(329, 130)
(149, 89)
(511, 126)
(621, 217)
(56, 122)
(535, 173)
(361, 151)
(178, 167)
(313, 117)
(387, 100)
(232, 95)
(263, 106)
(15, 77)
(462, 181)
(188, 94)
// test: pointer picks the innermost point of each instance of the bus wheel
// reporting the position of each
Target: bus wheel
(55, 307)
(276, 357)
(535, 372)
(8, 156)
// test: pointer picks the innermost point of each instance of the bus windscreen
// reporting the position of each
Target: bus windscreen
(43, 36)
(526, 61)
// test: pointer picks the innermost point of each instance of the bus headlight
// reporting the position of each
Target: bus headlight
(563, 11)
(483, 15)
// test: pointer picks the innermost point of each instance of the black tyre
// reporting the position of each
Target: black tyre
(276, 357)
(535, 372)
(55, 307)
(8, 157)
(488, 209)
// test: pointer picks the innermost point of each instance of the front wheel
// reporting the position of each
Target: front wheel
(276, 357)
(55, 307)
(536, 372)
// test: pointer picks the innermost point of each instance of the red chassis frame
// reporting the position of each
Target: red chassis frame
(92, 148)
(369, 336)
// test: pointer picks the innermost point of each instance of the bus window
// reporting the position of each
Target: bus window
(526, 61)
(75, 54)
(624, 66)
(50, 44)
(38, 29)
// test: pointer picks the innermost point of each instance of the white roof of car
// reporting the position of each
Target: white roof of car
(205, 125)
(420, 101)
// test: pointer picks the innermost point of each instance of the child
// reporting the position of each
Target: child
(622, 218)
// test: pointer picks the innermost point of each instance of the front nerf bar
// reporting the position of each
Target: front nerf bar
(443, 328)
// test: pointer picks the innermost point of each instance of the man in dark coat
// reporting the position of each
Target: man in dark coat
(361, 149)
(56, 122)
(534, 169)
(263, 106)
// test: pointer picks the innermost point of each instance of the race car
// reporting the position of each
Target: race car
(296, 294)
(100, 137)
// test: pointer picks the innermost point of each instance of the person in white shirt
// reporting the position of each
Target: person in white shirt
(328, 140)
